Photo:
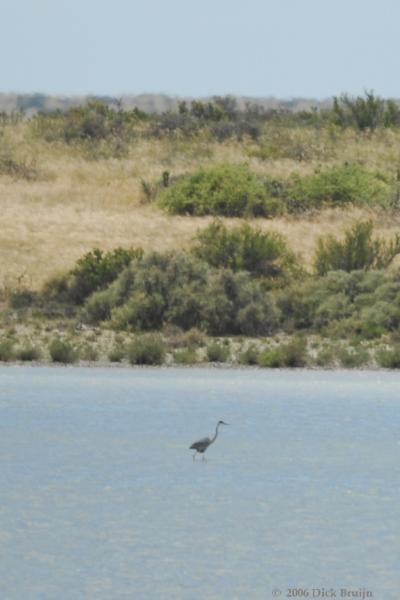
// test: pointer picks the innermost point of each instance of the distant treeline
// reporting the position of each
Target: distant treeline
(149, 103)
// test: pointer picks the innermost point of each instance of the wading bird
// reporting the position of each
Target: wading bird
(201, 445)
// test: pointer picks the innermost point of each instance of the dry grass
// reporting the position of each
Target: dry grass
(76, 204)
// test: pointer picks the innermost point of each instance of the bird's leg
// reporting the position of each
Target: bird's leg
(194, 455)
(204, 456)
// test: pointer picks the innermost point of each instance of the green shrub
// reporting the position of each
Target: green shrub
(88, 352)
(147, 350)
(62, 351)
(358, 250)
(93, 123)
(141, 312)
(22, 299)
(325, 357)
(28, 353)
(273, 358)
(97, 269)
(249, 356)
(6, 351)
(99, 305)
(245, 248)
(389, 358)
(353, 358)
(195, 337)
(290, 354)
(336, 186)
(186, 356)
(217, 352)
(224, 190)
(229, 298)
(377, 319)
(367, 112)
(117, 353)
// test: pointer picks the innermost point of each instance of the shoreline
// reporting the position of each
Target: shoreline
(202, 366)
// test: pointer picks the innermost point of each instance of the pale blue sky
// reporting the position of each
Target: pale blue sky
(283, 48)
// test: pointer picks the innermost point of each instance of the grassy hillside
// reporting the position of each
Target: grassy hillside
(61, 199)
(318, 190)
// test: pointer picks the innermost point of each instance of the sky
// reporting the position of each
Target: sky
(258, 48)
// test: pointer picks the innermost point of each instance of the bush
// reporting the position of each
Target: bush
(62, 352)
(245, 248)
(325, 357)
(88, 352)
(358, 250)
(336, 186)
(97, 269)
(291, 354)
(22, 299)
(367, 112)
(93, 123)
(186, 356)
(227, 301)
(249, 356)
(224, 190)
(389, 358)
(99, 305)
(272, 358)
(117, 353)
(147, 350)
(353, 359)
(217, 352)
(6, 351)
(28, 353)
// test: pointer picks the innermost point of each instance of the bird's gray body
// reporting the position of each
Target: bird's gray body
(202, 445)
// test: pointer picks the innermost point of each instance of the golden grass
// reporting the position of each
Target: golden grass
(76, 204)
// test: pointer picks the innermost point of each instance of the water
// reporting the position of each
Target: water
(100, 497)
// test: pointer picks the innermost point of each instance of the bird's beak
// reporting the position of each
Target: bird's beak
(223, 422)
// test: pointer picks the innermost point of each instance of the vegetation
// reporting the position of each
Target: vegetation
(225, 190)
(245, 248)
(364, 113)
(358, 250)
(217, 352)
(62, 351)
(131, 268)
(147, 350)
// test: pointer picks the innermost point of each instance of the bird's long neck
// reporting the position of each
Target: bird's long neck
(216, 433)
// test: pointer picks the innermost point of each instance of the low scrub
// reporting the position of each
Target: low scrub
(101, 130)
(186, 356)
(337, 186)
(353, 358)
(94, 271)
(147, 350)
(28, 352)
(358, 250)
(365, 112)
(223, 190)
(117, 353)
(6, 351)
(245, 248)
(180, 290)
(217, 352)
(290, 354)
(250, 356)
(62, 351)
(389, 358)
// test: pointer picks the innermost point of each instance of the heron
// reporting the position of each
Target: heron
(201, 445)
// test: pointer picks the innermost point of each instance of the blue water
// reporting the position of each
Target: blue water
(100, 497)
